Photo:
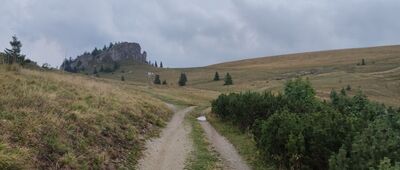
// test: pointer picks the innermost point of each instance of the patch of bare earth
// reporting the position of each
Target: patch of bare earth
(172, 148)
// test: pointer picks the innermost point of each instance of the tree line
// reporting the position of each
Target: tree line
(296, 130)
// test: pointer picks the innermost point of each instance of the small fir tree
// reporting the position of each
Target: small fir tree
(14, 54)
(122, 78)
(95, 71)
(363, 62)
(216, 76)
(228, 79)
(155, 64)
(343, 92)
(348, 88)
(157, 79)
(182, 79)
(161, 65)
(164, 82)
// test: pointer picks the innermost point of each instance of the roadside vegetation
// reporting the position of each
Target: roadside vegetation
(203, 156)
(296, 130)
(51, 120)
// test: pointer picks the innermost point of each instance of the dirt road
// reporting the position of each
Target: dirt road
(170, 151)
(231, 158)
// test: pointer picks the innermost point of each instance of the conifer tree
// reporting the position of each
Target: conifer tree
(95, 71)
(14, 54)
(348, 88)
(101, 68)
(157, 79)
(161, 65)
(122, 78)
(363, 62)
(216, 76)
(155, 64)
(95, 52)
(182, 79)
(164, 82)
(228, 79)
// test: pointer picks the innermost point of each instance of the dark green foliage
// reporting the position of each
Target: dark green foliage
(95, 70)
(122, 78)
(295, 130)
(157, 79)
(228, 79)
(95, 52)
(216, 76)
(363, 62)
(348, 88)
(155, 64)
(343, 92)
(101, 68)
(182, 79)
(14, 55)
(339, 161)
(161, 65)
(300, 95)
(116, 66)
(164, 82)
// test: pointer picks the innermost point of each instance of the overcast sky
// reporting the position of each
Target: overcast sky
(184, 33)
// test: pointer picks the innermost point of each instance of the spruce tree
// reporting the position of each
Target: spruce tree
(216, 76)
(228, 79)
(14, 54)
(122, 78)
(182, 79)
(363, 62)
(164, 82)
(348, 88)
(155, 64)
(95, 71)
(95, 52)
(157, 79)
(161, 65)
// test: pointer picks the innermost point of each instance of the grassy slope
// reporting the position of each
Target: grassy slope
(55, 120)
(327, 70)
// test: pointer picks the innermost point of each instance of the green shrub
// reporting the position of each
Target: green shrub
(295, 130)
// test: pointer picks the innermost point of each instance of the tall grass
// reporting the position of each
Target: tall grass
(56, 120)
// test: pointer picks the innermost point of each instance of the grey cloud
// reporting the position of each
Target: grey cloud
(197, 33)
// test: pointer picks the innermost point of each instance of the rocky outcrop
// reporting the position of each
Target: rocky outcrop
(106, 57)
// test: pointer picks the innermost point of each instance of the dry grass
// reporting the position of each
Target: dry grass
(55, 120)
(327, 70)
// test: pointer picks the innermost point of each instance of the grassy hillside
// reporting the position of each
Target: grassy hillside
(55, 120)
(327, 70)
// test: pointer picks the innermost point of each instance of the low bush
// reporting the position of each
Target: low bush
(296, 130)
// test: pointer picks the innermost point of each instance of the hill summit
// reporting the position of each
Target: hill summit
(107, 59)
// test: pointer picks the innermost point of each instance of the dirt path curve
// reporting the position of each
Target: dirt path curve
(170, 151)
(231, 158)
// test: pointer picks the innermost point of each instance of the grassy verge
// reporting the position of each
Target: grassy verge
(203, 156)
(243, 142)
